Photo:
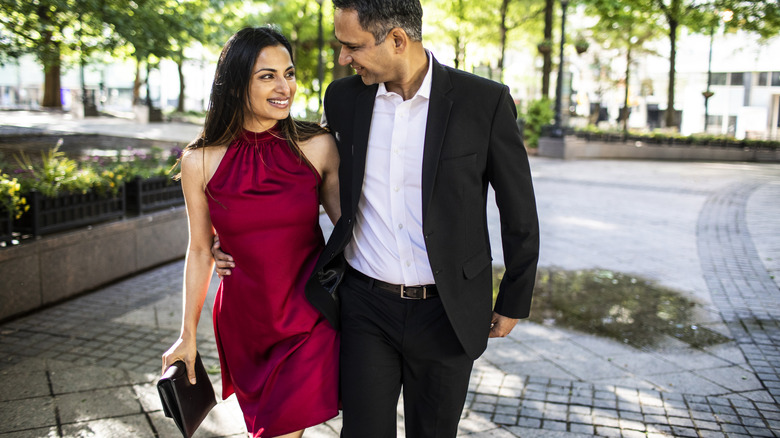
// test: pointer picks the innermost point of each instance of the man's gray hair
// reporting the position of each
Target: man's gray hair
(381, 16)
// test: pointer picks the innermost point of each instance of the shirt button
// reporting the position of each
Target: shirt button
(408, 263)
(396, 188)
(400, 226)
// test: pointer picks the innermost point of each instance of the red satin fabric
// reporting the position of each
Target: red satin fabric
(277, 352)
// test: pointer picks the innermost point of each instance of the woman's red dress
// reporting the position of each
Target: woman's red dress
(278, 353)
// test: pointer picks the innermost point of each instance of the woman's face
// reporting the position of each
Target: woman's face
(271, 89)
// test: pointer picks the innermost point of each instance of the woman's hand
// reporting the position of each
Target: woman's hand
(224, 261)
(185, 350)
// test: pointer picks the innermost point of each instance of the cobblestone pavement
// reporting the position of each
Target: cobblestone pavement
(87, 367)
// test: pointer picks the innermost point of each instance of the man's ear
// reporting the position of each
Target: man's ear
(399, 38)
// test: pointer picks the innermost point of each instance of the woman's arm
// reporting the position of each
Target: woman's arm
(321, 151)
(198, 264)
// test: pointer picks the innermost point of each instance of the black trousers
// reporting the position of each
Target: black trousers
(389, 343)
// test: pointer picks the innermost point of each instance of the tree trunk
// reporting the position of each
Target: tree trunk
(502, 36)
(50, 58)
(549, 8)
(460, 44)
(670, 116)
(51, 87)
(148, 86)
(51, 68)
(628, 77)
(137, 83)
(458, 52)
(339, 71)
(180, 66)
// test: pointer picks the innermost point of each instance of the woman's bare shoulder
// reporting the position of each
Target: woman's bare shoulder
(196, 156)
(202, 162)
(319, 143)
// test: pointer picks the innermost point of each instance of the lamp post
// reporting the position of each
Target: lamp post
(557, 127)
(726, 16)
(707, 94)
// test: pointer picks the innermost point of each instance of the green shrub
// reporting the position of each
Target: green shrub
(56, 174)
(539, 113)
(11, 198)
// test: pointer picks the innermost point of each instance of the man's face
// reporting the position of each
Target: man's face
(373, 62)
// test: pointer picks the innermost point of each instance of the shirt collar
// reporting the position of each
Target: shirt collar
(425, 88)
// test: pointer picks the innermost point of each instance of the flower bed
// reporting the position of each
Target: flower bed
(68, 211)
(57, 193)
(659, 138)
(151, 194)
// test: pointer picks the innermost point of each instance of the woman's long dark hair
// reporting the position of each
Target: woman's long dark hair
(230, 92)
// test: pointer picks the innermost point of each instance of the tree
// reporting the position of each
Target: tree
(549, 10)
(146, 26)
(493, 23)
(159, 29)
(190, 12)
(52, 30)
(512, 15)
(298, 20)
(760, 16)
(626, 29)
(451, 25)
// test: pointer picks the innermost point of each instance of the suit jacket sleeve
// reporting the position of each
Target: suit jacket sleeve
(510, 175)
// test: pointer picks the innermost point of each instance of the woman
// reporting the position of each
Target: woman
(257, 177)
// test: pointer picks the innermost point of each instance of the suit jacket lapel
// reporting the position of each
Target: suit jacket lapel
(364, 108)
(438, 115)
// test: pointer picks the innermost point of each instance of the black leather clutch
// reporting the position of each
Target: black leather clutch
(186, 403)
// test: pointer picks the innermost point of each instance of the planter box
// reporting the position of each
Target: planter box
(145, 195)
(65, 212)
(6, 225)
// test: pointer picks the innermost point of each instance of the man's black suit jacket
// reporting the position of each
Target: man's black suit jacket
(471, 140)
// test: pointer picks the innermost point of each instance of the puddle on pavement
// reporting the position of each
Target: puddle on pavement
(624, 307)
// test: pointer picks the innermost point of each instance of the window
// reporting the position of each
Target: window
(720, 79)
(776, 78)
(763, 79)
(732, 127)
(714, 124)
(737, 79)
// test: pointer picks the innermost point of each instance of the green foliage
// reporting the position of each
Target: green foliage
(298, 21)
(56, 174)
(659, 137)
(11, 198)
(761, 17)
(130, 164)
(53, 29)
(539, 113)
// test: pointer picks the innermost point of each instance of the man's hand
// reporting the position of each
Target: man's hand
(500, 326)
(224, 261)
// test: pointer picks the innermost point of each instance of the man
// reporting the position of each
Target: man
(406, 273)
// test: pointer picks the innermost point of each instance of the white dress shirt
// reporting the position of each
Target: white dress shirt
(387, 241)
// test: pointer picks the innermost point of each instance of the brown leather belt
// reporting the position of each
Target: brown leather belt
(405, 292)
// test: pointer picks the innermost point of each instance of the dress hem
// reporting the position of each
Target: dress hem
(327, 415)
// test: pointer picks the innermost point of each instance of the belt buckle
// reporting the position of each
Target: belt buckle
(407, 297)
